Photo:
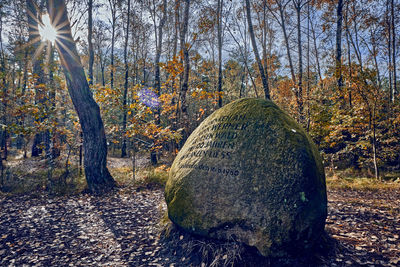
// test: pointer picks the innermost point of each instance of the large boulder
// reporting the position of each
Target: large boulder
(250, 173)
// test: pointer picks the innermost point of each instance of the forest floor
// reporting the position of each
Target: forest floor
(128, 228)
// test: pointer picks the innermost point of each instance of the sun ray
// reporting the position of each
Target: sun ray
(33, 41)
(77, 59)
(38, 51)
(34, 18)
(56, 16)
(65, 38)
(61, 25)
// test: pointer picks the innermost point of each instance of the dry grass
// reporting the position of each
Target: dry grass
(347, 180)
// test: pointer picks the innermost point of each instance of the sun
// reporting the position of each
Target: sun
(46, 30)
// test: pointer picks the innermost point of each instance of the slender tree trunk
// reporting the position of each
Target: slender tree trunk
(125, 94)
(389, 31)
(286, 38)
(264, 41)
(308, 119)
(186, 63)
(298, 6)
(133, 162)
(103, 80)
(393, 51)
(257, 56)
(220, 4)
(348, 56)
(90, 43)
(374, 149)
(338, 72)
(3, 84)
(316, 51)
(94, 139)
(176, 28)
(34, 38)
(157, 78)
(374, 53)
(113, 25)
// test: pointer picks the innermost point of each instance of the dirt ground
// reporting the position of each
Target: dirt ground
(123, 229)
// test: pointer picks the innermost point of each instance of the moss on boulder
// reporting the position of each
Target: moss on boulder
(250, 173)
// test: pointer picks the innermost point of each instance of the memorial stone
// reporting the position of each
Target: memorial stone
(250, 173)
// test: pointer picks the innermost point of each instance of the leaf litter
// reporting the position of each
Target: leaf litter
(123, 229)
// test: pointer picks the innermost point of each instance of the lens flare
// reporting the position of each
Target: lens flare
(46, 30)
(149, 98)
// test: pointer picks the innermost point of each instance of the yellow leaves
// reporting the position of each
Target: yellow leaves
(162, 168)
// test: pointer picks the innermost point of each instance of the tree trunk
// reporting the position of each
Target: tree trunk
(40, 99)
(113, 22)
(308, 119)
(3, 84)
(255, 50)
(349, 57)
(393, 51)
(90, 33)
(286, 38)
(298, 6)
(125, 94)
(186, 63)
(388, 21)
(157, 78)
(374, 149)
(133, 162)
(219, 29)
(338, 72)
(264, 42)
(316, 51)
(94, 139)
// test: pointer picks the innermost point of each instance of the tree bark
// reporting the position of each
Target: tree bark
(348, 56)
(299, 95)
(286, 37)
(255, 50)
(338, 72)
(98, 177)
(38, 73)
(3, 84)
(159, 40)
(264, 42)
(90, 43)
(316, 51)
(389, 43)
(393, 50)
(113, 22)
(308, 119)
(125, 94)
(186, 63)
(219, 30)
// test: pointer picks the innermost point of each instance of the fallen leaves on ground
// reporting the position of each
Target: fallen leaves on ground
(122, 229)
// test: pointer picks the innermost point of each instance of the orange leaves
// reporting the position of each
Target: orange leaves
(174, 67)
